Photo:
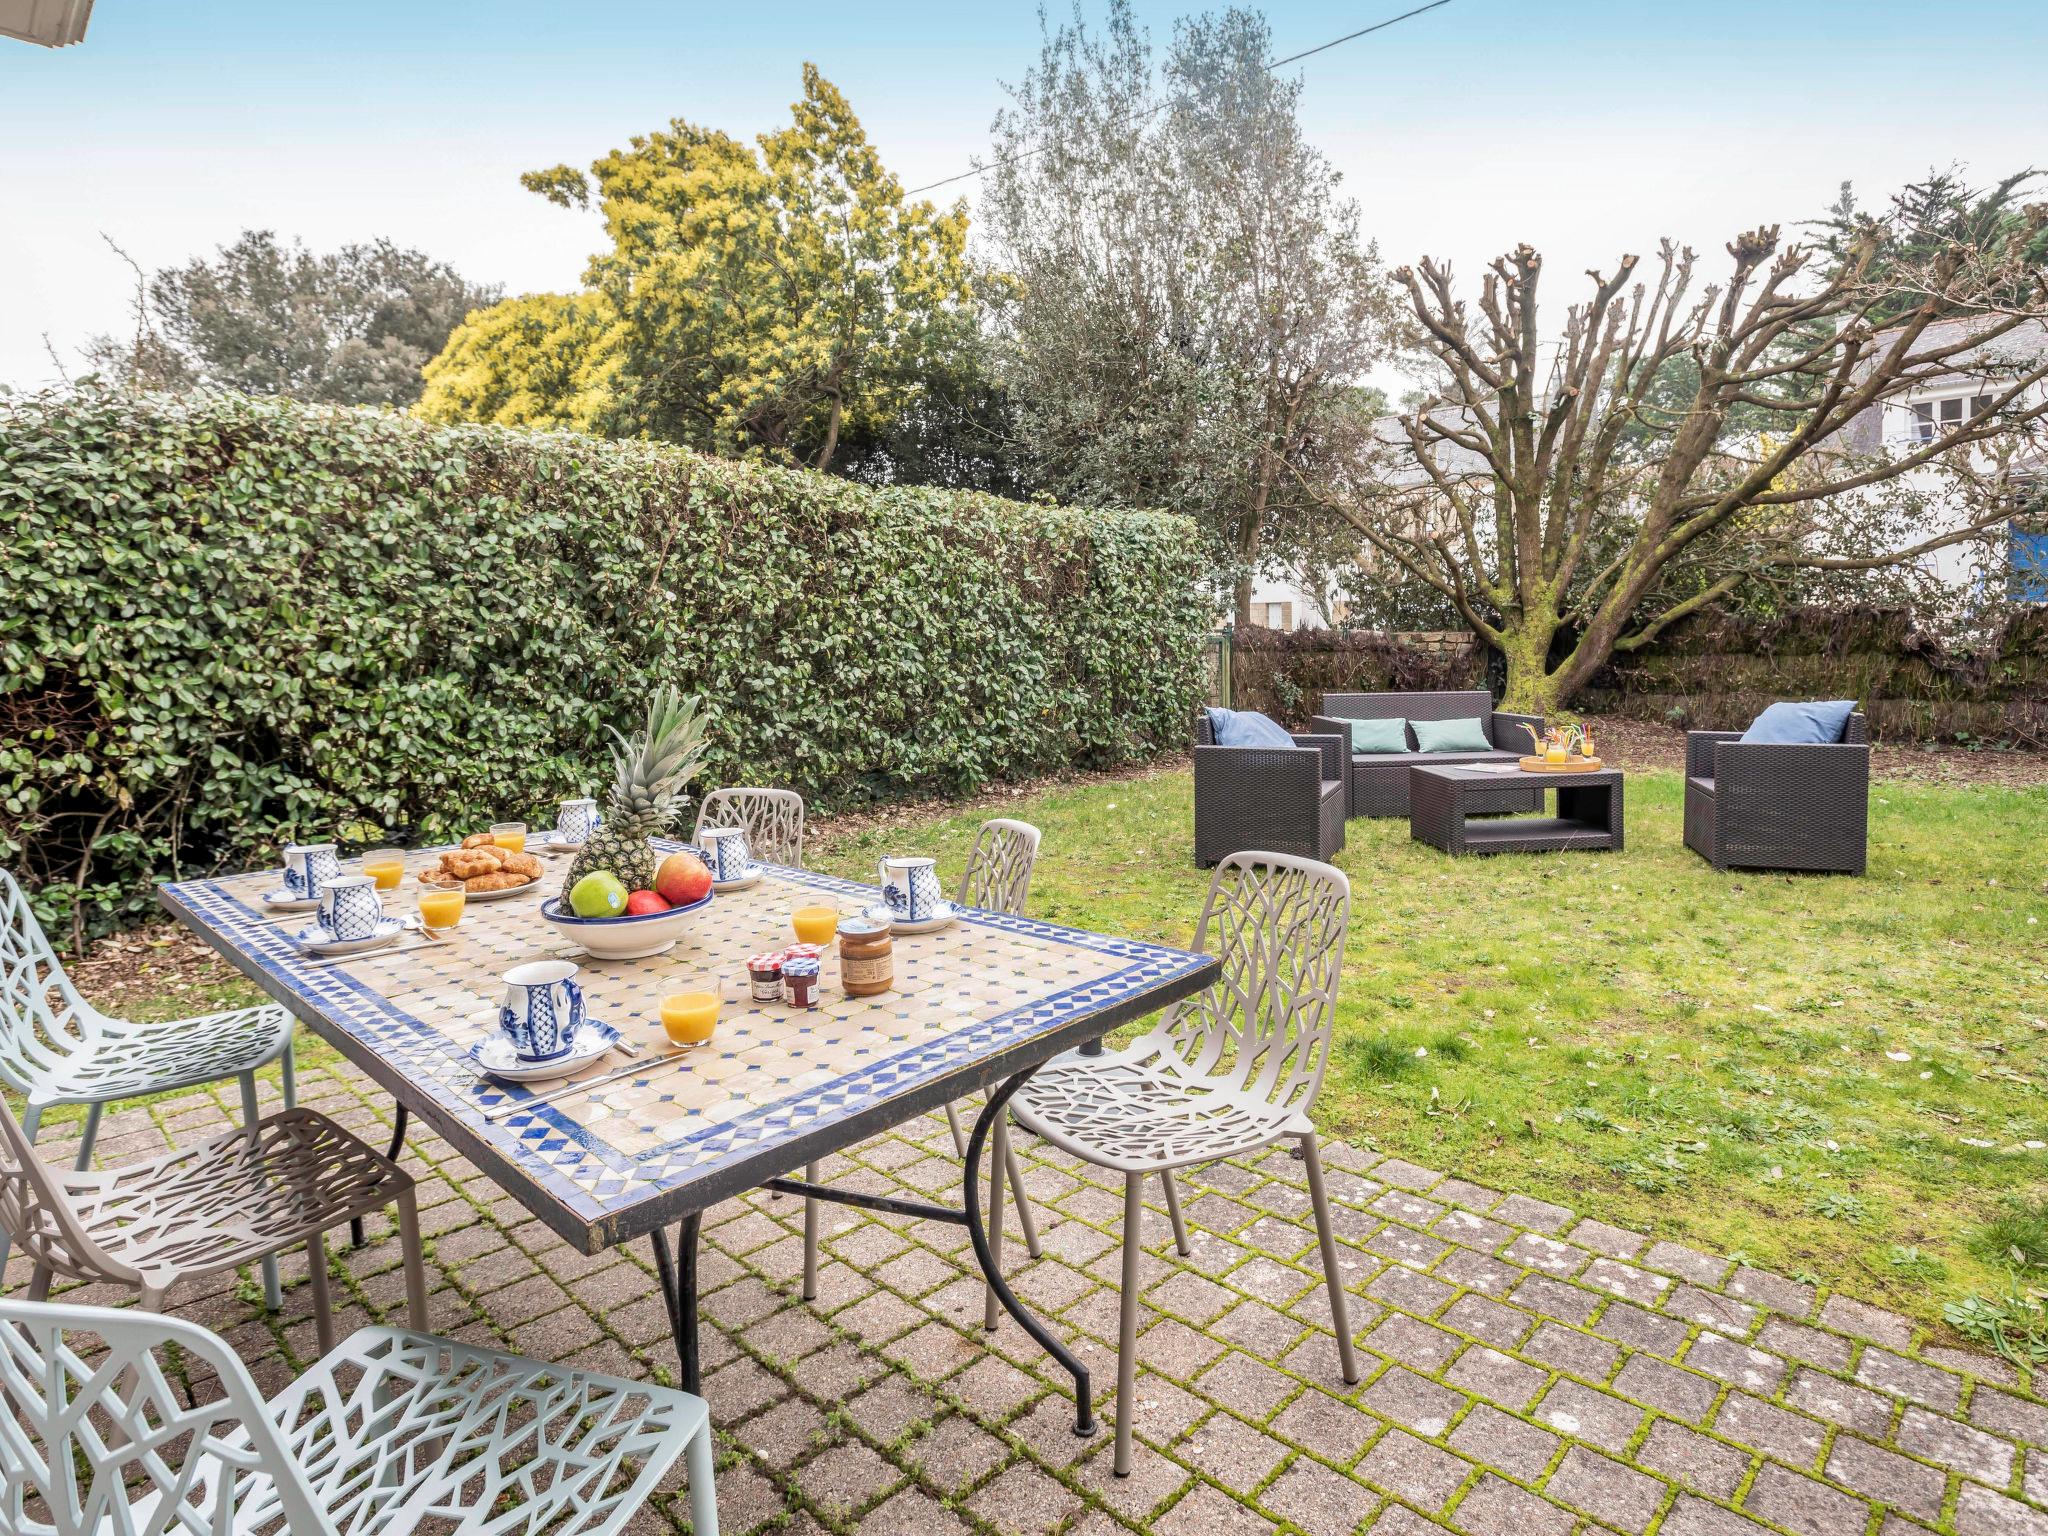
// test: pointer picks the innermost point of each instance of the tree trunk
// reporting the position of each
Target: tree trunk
(1532, 688)
(1243, 599)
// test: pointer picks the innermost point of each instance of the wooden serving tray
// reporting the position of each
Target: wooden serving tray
(1570, 765)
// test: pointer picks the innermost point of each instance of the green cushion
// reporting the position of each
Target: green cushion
(1379, 735)
(1451, 735)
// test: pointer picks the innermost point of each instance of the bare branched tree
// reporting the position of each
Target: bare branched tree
(1678, 441)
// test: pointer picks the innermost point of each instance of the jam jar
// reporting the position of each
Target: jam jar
(867, 963)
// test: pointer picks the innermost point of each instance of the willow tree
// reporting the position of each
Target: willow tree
(1574, 497)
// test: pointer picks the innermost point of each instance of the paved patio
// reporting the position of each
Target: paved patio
(1527, 1372)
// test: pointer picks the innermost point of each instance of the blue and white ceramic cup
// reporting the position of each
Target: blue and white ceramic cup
(543, 1009)
(726, 853)
(306, 865)
(350, 907)
(911, 887)
(575, 820)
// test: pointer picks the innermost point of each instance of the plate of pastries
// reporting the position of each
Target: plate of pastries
(482, 871)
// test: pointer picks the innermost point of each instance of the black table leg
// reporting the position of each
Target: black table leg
(678, 1275)
(355, 1228)
(998, 1103)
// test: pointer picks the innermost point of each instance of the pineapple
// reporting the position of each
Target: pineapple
(651, 774)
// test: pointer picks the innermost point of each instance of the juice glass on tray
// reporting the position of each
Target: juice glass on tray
(440, 909)
(386, 866)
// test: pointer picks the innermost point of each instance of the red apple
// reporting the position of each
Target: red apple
(640, 903)
(682, 879)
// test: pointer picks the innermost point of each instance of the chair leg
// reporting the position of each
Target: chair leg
(1023, 1203)
(323, 1296)
(703, 1496)
(31, 1122)
(959, 1136)
(92, 1134)
(998, 1163)
(810, 1240)
(1180, 1227)
(39, 1283)
(273, 1290)
(288, 1070)
(415, 1265)
(1127, 1319)
(1340, 1312)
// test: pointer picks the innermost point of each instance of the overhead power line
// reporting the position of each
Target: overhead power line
(1138, 117)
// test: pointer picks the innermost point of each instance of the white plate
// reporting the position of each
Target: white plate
(751, 877)
(281, 900)
(506, 894)
(944, 917)
(314, 940)
(494, 1055)
(551, 844)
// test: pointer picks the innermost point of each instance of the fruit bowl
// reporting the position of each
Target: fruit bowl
(624, 938)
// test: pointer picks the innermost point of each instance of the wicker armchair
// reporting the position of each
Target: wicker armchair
(1378, 781)
(1286, 799)
(1772, 805)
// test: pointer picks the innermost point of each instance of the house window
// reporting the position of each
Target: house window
(1274, 615)
(1938, 418)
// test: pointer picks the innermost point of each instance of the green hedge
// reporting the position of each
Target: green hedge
(233, 621)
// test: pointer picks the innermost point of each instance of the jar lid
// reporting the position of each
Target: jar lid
(861, 928)
(800, 968)
(803, 951)
(766, 964)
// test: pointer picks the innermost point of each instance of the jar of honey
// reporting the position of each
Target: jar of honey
(867, 959)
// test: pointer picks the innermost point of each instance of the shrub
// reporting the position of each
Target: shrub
(237, 621)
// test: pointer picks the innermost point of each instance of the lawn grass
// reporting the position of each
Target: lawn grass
(1707, 1057)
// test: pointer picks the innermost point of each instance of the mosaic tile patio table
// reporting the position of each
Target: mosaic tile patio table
(979, 1005)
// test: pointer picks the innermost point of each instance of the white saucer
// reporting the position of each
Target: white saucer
(553, 842)
(281, 900)
(494, 1055)
(945, 917)
(752, 877)
(314, 940)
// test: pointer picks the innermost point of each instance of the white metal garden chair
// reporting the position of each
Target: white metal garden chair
(393, 1432)
(998, 878)
(245, 1195)
(772, 818)
(56, 1048)
(1229, 1071)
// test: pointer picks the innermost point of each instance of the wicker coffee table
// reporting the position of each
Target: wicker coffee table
(1441, 804)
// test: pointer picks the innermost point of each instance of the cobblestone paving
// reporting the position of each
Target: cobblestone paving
(1526, 1372)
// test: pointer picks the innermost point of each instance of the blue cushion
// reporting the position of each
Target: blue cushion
(1379, 735)
(1818, 722)
(1467, 735)
(1246, 728)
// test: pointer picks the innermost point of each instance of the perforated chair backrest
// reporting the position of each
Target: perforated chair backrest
(43, 1020)
(105, 1442)
(773, 820)
(1278, 924)
(998, 873)
(39, 1217)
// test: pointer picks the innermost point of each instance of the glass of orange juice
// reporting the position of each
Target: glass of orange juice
(815, 925)
(386, 866)
(440, 910)
(689, 1017)
(509, 835)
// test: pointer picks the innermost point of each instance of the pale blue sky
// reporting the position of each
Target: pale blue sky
(1587, 128)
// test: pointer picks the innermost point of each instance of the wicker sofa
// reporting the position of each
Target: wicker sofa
(1378, 781)
(1280, 799)
(1773, 805)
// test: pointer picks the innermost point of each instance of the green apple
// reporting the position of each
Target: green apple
(598, 895)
